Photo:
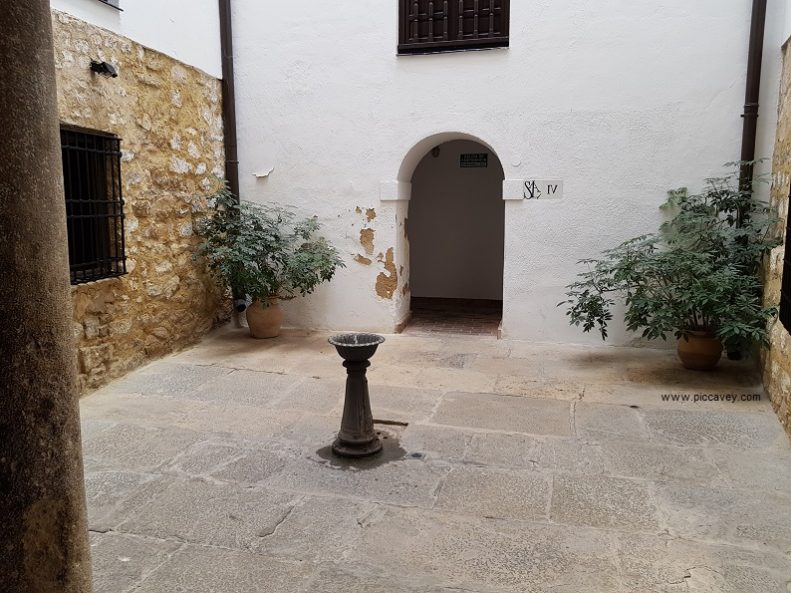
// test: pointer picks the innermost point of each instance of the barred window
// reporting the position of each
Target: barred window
(785, 295)
(429, 26)
(94, 206)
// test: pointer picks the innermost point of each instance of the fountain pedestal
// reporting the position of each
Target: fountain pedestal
(357, 437)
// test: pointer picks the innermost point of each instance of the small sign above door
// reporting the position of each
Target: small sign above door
(477, 160)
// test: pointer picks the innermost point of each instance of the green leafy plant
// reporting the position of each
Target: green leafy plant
(264, 252)
(698, 273)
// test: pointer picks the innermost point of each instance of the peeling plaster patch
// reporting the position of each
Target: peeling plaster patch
(358, 210)
(406, 289)
(362, 260)
(367, 240)
(387, 281)
(370, 214)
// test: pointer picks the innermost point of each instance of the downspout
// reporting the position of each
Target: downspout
(750, 126)
(229, 119)
(754, 62)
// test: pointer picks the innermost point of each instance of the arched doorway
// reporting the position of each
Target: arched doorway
(456, 231)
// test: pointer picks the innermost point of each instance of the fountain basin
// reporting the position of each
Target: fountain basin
(356, 347)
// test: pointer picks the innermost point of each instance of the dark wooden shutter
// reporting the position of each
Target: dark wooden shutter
(428, 26)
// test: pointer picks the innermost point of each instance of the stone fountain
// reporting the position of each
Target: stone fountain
(357, 437)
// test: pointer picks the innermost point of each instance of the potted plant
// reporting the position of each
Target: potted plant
(265, 253)
(695, 279)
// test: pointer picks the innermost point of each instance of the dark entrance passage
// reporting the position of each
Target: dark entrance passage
(456, 240)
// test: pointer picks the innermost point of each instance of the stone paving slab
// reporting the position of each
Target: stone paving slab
(408, 482)
(113, 495)
(199, 569)
(740, 430)
(110, 407)
(658, 462)
(121, 562)
(744, 517)
(603, 501)
(310, 533)
(436, 442)
(600, 421)
(720, 397)
(745, 469)
(333, 579)
(530, 387)
(252, 422)
(134, 447)
(431, 549)
(202, 512)
(404, 404)
(510, 414)
(496, 493)
(511, 468)
(663, 564)
(172, 379)
(241, 386)
(518, 451)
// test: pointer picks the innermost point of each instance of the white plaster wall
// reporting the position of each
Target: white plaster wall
(621, 100)
(456, 226)
(188, 30)
(785, 20)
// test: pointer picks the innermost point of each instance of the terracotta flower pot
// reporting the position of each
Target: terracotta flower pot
(699, 351)
(264, 321)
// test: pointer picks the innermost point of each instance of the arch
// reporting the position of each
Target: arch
(453, 279)
(415, 154)
(398, 192)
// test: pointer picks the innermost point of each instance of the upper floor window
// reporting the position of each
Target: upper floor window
(94, 206)
(429, 26)
(113, 3)
(785, 295)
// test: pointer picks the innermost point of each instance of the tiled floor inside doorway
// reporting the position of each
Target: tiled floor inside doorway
(455, 316)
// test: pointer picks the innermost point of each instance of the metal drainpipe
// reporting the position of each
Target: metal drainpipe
(229, 119)
(754, 61)
(752, 96)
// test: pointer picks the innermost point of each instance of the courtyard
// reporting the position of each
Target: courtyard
(508, 467)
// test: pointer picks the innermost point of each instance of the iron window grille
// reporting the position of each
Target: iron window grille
(785, 294)
(94, 205)
(430, 26)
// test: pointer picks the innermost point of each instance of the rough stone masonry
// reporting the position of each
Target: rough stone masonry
(777, 359)
(169, 119)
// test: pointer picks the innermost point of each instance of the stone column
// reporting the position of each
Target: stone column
(43, 530)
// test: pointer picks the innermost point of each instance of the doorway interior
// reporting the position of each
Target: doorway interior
(456, 228)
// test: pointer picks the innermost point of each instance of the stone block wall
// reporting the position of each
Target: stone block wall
(169, 118)
(777, 359)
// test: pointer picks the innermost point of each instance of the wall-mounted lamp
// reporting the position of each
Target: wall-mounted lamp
(104, 69)
(435, 151)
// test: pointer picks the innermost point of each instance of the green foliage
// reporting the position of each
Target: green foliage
(264, 251)
(698, 273)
